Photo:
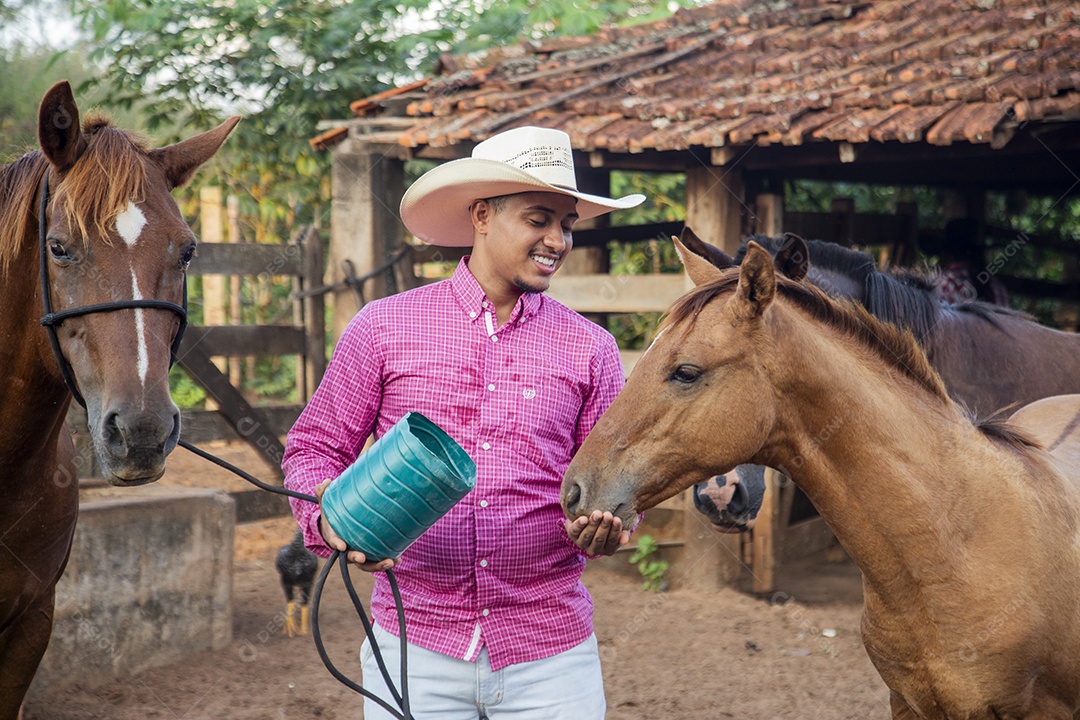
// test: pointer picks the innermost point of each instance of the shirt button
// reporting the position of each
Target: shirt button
(485, 612)
(486, 446)
(472, 315)
(483, 503)
(483, 563)
(494, 338)
(491, 386)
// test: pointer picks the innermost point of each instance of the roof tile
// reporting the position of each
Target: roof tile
(766, 71)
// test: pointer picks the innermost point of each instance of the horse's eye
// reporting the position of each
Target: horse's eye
(187, 255)
(57, 250)
(686, 374)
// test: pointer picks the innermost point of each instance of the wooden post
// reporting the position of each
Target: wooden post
(591, 260)
(212, 225)
(906, 251)
(769, 218)
(843, 211)
(314, 315)
(233, 212)
(364, 225)
(715, 204)
(709, 560)
(766, 536)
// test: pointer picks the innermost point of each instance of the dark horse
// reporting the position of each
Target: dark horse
(989, 357)
(94, 206)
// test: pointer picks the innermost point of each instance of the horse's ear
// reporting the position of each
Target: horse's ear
(757, 281)
(698, 268)
(180, 161)
(713, 254)
(59, 134)
(793, 258)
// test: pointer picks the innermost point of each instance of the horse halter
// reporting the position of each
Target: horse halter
(51, 320)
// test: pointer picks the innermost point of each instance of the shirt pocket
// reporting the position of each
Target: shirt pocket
(547, 401)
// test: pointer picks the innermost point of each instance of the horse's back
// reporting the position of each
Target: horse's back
(1054, 422)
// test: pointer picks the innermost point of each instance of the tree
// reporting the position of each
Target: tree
(286, 65)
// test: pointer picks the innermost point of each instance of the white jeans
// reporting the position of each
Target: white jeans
(567, 686)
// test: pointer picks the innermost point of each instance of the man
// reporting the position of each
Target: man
(498, 621)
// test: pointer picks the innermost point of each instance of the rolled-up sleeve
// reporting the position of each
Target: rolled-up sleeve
(608, 380)
(337, 421)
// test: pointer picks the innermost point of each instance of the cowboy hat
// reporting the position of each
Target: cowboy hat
(527, 159)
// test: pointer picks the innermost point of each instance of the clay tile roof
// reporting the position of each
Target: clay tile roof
(737, 72)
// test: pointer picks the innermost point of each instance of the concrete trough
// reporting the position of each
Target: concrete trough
(149, 582)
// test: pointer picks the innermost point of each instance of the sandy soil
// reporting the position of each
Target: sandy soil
(676, 654)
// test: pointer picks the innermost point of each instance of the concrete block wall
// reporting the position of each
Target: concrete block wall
(149, 582)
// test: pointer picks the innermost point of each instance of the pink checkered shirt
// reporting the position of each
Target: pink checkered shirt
(498, 569)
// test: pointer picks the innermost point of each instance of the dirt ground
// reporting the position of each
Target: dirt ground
(679, 654)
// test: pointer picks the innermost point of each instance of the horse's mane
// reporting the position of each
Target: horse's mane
(896, 346)
(107, 176)
(901, 296)
(998, 427)
(826, 255)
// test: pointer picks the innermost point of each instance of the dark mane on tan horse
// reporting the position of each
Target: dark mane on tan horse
(990, 357)
(895, 345)
(110, 175)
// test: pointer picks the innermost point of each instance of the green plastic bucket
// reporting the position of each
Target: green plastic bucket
(405, 482)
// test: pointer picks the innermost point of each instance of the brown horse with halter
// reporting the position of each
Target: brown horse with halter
(967, 535)
(93, 247)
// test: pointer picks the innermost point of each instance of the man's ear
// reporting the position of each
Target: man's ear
(481, 213)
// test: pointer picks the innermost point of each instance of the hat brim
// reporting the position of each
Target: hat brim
(436, 207)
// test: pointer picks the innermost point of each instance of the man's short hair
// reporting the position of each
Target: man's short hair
(497, 203)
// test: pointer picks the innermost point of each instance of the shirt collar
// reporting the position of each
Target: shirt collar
(474, 301)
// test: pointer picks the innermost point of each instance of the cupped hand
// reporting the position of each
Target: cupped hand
(600, 533)
(332, 539)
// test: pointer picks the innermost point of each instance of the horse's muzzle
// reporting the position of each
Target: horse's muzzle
(132, 447)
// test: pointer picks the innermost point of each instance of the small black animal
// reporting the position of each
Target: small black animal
(297, 567)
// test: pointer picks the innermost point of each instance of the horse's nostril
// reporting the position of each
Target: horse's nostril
(112, 434)
(573, 497)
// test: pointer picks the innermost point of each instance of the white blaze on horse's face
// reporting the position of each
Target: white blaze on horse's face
(129, 224)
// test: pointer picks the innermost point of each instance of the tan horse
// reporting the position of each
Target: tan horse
(95, 206)
(968, 537)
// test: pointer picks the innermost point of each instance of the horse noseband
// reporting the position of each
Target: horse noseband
(52, 319)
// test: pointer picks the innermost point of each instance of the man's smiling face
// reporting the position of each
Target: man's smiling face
(526, 238)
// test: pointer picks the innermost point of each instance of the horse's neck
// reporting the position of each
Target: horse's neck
(1009, 360)
(883, 460)
(33, 398)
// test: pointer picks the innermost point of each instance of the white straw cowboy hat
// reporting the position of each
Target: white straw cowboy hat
(527, 159)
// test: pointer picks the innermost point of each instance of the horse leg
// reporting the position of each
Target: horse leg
(21, 646)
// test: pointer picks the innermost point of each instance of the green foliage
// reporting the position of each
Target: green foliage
(501, 23)
(185, 392)
(666, 202)
(817, 196)
(651, 569)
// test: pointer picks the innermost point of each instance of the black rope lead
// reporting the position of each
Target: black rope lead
(402, 698)
(250, 478)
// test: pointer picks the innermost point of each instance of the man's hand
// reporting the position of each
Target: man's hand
(333, 540)
(598, 534)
